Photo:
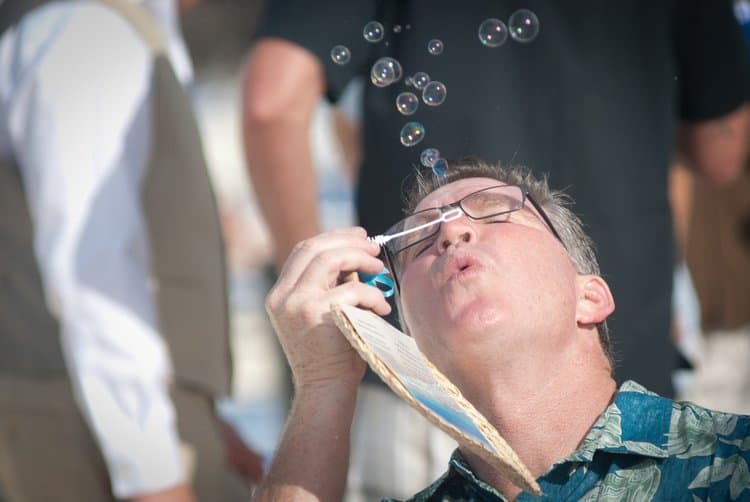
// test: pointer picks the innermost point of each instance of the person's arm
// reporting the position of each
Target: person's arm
(311, 460)
(717, 149)
(282, 85)
(81, 140)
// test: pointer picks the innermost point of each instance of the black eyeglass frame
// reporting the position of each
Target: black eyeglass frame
(389, 259)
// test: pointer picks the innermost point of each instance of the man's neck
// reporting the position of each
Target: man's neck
(543, 415)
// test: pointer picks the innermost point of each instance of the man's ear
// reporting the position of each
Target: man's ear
(595, 302)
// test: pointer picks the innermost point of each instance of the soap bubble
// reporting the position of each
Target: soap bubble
(492, 32)
(397, 70)
(435, 47)
(523, 26)
(409, 81)
(420, 80)
(407, 103)
(440, 170)
(340, 54)
(396, 28)
(385, 71)
(434, 93)
(373, 32)
(412, 133)
(429, 156)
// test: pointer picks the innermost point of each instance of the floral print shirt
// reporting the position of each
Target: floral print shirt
(643, 447)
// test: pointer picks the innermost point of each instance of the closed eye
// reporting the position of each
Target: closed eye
(500, 218)
(422, 248)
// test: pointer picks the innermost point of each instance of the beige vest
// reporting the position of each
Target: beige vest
(187, 252)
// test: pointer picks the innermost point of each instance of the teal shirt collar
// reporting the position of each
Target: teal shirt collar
(646, 425)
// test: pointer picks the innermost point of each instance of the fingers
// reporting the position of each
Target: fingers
(307, 250)
(317, 262)
(311, 281)
(324, 270)
(360, 295)
(299, 304)
(319, 285)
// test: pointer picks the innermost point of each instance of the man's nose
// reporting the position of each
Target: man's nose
(455, 230)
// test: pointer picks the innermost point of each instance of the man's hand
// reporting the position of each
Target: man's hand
(311, 460)
(241, 459)
(179, 493)
(299, 305)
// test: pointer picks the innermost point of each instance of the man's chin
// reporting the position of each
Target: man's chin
(474, 317)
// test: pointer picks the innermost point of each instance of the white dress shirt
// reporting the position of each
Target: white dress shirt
(74, 113)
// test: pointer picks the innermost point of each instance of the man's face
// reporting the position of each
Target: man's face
(482, 287)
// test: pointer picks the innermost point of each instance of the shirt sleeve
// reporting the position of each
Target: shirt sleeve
(713, 66)
(80, 133)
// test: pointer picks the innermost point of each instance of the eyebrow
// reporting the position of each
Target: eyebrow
(475, 190)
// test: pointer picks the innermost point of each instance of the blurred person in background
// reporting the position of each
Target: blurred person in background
(714, 245)
(712, 288)
(598, 105)
(717, 255)
(113, 289)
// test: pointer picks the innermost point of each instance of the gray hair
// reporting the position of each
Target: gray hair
(555, 203)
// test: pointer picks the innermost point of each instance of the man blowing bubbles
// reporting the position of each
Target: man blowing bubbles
(499, 286)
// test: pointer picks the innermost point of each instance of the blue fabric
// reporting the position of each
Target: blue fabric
(643, 447)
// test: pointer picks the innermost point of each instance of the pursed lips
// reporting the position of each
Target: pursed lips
(453, 264)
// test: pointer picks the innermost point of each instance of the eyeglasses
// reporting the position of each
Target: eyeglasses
(414, 234)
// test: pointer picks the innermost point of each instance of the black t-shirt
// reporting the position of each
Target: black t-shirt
(592, 101)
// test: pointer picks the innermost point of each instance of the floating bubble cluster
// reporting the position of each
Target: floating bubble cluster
(340, 54)
(523, 26)
(492, 32)
(420, 79)
(385, 71)
(429, 156)
(373, 32)
(407, 103)
(434, 93)
(435, 47)
(412, 133)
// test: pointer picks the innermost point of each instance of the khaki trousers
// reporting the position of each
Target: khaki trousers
(48, 453)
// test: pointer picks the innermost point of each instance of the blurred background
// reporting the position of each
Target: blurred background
(218, 34)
